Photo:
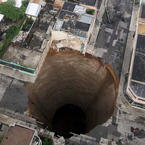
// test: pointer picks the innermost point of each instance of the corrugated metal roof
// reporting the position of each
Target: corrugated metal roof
(1, 17)
(18, 3)
(79, 10)
(33, 9)
(86, 18)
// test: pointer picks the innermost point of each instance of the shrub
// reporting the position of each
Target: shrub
(27, 24)
(1, 138)
(47, 141)
(25, 3)
(90, 11)
(11, 13)
(10, 34)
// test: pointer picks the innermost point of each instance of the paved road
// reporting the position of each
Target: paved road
(113, 38)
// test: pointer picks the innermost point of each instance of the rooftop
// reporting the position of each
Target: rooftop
(139, 89)
(139, 68)
(143, 12)
(18, 135)
(85, 2)
(1, 17)
(88, 2)
(18, 3)
(27, 49)
(137, 82)
(33, 9)
(75, 19)
(140, 47)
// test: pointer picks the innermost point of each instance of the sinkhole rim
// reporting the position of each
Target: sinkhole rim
(76, 54)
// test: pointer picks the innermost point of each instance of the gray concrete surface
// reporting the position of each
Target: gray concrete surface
(15, 97)
(117, 40)
(4, 84)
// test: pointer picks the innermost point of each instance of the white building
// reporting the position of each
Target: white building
(4, 0)
(18, 3)
(33, 9)
(1, 17)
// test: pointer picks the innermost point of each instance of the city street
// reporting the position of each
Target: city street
(115, 42)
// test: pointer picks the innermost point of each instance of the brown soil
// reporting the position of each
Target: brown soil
(68, 77)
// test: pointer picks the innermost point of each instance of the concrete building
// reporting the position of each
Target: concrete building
(74, 26)
(136, 81)
(21, 135)
(25, 63)
(69, 26)
(33, 9)
(118, 127)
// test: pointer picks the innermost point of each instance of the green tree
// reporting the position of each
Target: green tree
(25, 3)
(1, 138)
(11, 13)
(10, 34)
(47, 141)
(28, 24)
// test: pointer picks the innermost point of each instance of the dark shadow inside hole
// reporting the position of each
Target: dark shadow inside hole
(69, 118)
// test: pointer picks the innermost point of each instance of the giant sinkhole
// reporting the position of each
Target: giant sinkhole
(73, 92)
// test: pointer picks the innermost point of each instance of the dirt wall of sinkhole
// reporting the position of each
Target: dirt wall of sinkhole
(69, 77)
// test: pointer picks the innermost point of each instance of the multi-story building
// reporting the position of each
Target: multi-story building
(74, 25)
(21, 135)
(68, 24)
(136, 81)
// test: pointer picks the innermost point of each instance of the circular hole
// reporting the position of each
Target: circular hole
(73, 93)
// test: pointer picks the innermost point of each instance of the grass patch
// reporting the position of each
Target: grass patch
(46, 141)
